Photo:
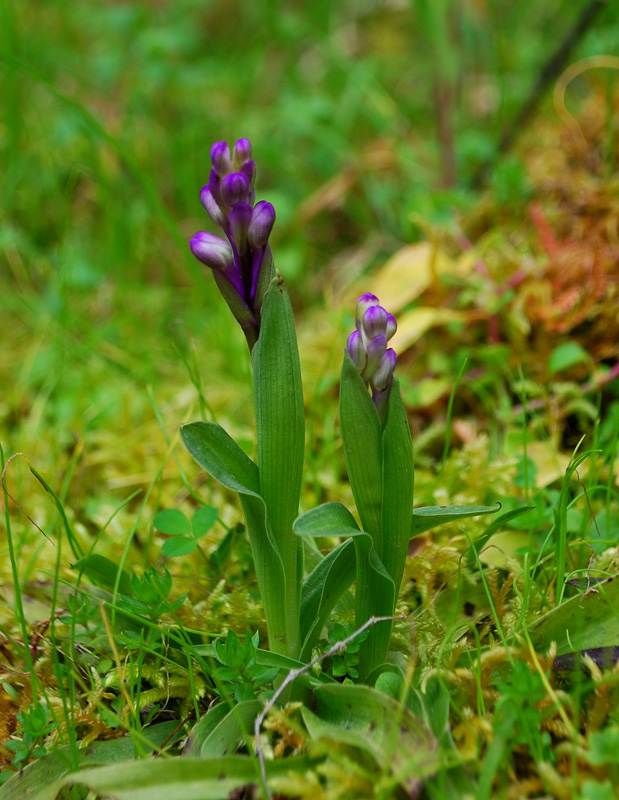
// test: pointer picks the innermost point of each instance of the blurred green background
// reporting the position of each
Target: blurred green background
(370, 122)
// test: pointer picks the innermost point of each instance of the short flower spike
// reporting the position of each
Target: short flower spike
(367, 347)
(242, 265)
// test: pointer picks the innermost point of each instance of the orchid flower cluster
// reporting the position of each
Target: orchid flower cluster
(242, 263)
(300, 587)
(367, 347)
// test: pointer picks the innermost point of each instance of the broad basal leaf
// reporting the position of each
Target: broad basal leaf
(222, 730)
(222, 458)
(367, 719)
(585, 621)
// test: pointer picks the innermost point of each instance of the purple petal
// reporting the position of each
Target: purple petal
(239, 218)
(249, 170)
(235, 189)
(261, 225)
(242, 152)
(391, 326)
(374, 322)
(213, 209)
(220, 156)
(216, 253)
(366, 301)
(356, 350)
(375, 349)
(384, 371)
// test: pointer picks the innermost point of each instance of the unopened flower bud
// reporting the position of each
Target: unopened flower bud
(241, 153)
(366, 301)
(356, 350)
(374, 322)
(261, 225)
(235, 189)
(239, 219)
(220, 156)
(384, 371)
(212, 207)
(391, 326)
(375, 349)
(216, 253)
(249, 170)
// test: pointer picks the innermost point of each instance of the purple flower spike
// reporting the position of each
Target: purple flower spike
(367, 348)
(243, 264)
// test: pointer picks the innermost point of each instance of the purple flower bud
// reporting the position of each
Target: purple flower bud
(384, 371)
(391, 326)
(216, 253)
(356, 350)
(374, 322)
(239, 218)
(213, 209)
(220, 156)
(375, 349)
(242, 152)
(249, 170)
(261, 225)
(366, 301)
(235, 189)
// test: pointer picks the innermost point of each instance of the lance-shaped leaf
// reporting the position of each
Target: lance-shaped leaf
(222, 458)
(222, 730)
(428, 517)
(375, 592)
(367, 719)
(280, 429)
(172, 778)
(362, 442)
(586, 621)
(398, 479)
(332, 576)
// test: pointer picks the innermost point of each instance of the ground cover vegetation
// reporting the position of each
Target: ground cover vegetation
(423, 263)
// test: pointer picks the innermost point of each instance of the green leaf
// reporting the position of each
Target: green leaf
(321, 591)
(103, 572)
(362, 442)
(208, 740)
(365, 718)
(398, 482)
(567, 355)
(332, 576)
(375, 593)
(280, 431)
(203, 520)
(173, 522)
(584, 621)
(222, 458)
(172, 778)
(430, 516)
(37, 781)
(181, 546)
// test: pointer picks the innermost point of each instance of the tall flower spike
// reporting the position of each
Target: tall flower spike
(367, 347)
(242, 265)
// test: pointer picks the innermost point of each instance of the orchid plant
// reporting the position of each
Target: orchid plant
(375, 435)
